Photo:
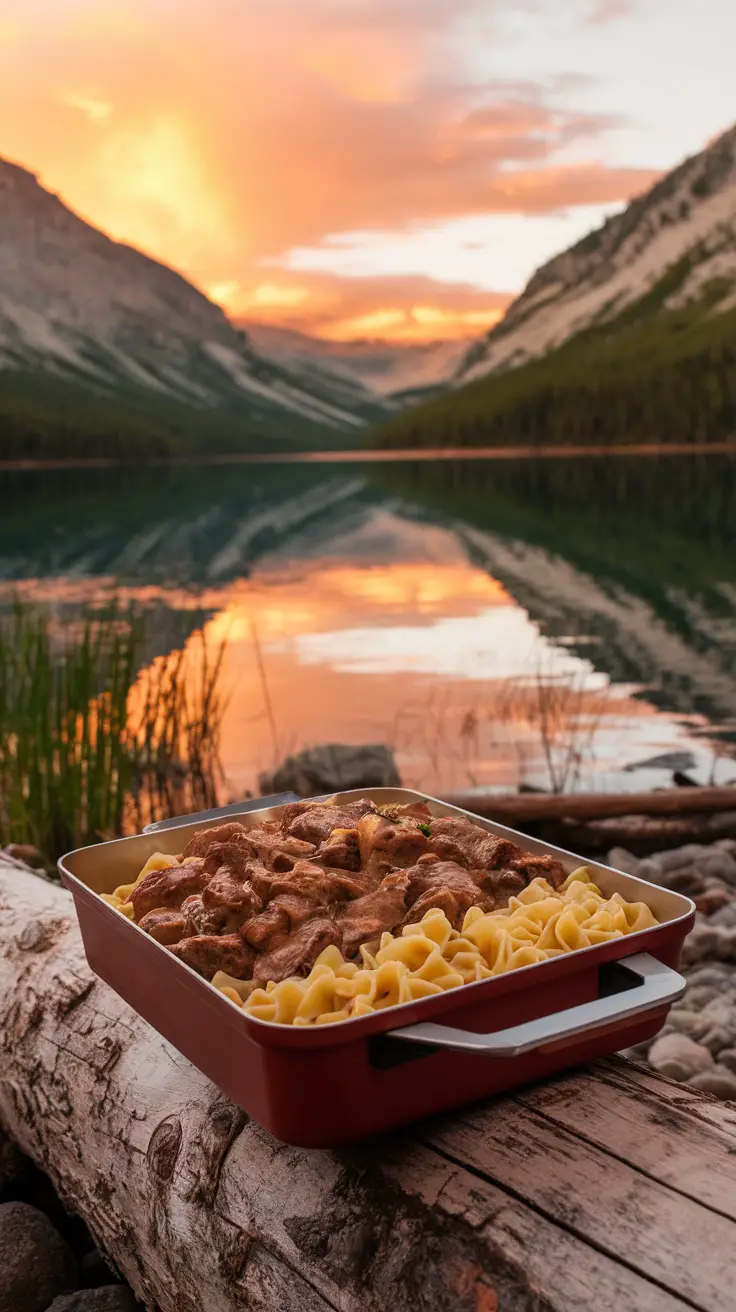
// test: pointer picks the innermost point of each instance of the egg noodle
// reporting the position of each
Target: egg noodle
(430, 956)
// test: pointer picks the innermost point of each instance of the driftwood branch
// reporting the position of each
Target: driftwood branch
(611, 1188)
(530, 807)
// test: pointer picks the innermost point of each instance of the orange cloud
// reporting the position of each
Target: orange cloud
(220, 138)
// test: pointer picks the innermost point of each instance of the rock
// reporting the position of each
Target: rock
(718, 975)
(679, 857)
(699, 996)
(727, 1058)
(25, 852)
(651, 871)
(679, 1057)
(688, 1022)
(35, 1263)
(333, 768)
(108, 1298)
(716, 1039)
(719, 1082)
(713, 899)
(707, 941)
(688, 880)
(726, 917)
(719, 864)
(620, 859)
(726, 845)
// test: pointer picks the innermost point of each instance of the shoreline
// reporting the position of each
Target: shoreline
(374, 455)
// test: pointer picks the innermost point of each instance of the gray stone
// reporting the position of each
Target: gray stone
(718, 1082)
(35, 1262)
(688, 1022)
(107, 1298)
(716, 1039)
(726, 917)
(720, 865)
(621, 859)
(679, 857)
(679, 1057)
(333, 768)
(651, 871)
(717, 976)
(726, 845)
(700, 995)
(727, 1058)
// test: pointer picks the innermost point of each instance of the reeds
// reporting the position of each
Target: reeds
(90, 748)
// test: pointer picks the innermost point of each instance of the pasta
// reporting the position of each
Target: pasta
(430, 956)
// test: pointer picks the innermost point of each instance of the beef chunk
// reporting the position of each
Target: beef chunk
(168, 888)
(271, 923)
(315, 821)
(309, 880)
(368, 917)
(232, 832)
(208, 953)
(461, 841)
(198, 919)
(341, 850)
(446, 885)
(298, 953)
(165, 924)
(230, 899)
(539, 867)
(388, 844)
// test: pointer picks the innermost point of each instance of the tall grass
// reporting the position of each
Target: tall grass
(88, 748)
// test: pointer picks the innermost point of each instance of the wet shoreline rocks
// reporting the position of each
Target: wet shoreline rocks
(697, 1045)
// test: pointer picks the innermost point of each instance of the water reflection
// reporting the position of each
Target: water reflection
(497, 623)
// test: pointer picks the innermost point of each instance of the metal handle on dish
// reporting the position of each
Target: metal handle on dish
(659, 986)
(221, 812)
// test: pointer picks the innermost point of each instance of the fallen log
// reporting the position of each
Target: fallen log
(497, 1209)
(520, 808)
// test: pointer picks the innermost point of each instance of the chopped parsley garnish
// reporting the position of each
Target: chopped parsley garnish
(425, 829)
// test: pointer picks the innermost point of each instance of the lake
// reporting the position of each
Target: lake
(500, 622)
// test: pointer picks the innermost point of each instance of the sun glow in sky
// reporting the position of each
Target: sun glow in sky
(359, 167)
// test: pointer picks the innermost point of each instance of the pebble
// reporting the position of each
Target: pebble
(679, 1057)
(35, 1262)
(688, 1022)
(717, 976)
(719, 864)
(719, 1082)
(715, 1040)
(650, 870)
(621, 859)
(107, 1298)
(727, 1058)
(726, 917)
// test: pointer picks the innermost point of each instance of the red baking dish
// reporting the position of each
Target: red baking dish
(322, 1086)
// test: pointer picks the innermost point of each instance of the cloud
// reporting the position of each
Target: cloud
(407, 307)
(242, 134)
(608, 11)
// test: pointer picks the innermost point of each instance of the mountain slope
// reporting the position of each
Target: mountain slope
(384, 369)
(687, 220)
(628, 337)
(81, 310)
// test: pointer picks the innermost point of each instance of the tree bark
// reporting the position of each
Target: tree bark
(202, 1211)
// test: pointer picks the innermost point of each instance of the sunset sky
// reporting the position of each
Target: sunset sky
(359, 167)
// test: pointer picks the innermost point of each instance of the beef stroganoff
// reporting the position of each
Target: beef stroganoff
(332, 912)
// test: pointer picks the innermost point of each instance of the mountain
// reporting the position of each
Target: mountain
(684, 227)
(629, 336)
(391, 370)
(84, 320)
